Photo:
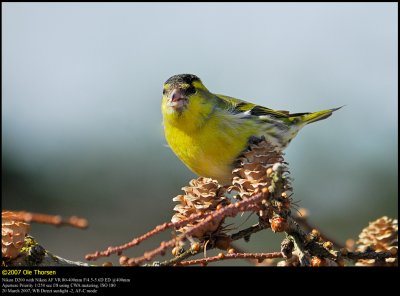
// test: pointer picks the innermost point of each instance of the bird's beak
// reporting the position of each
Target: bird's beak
(177, 100)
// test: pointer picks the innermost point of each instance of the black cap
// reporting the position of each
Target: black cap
(182, 78)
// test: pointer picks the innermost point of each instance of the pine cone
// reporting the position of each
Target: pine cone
(380, 235)
(254, 168)
(13, 234)
(202, 196)
(262, 166)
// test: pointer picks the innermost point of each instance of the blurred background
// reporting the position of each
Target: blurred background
(81, 119)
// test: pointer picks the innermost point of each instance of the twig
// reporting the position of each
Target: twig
(34, 254)
(302, 221)
(230, 211)
(56, 220)
(221, 256)
(368, 254)
(305, 246)
(308, 247)
(159, 228)
(254, 262)
(248, 231)
(151, 254)
(227, 211)
(176, 260)
(236, 236)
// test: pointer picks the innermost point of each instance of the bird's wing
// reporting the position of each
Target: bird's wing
(237, 106)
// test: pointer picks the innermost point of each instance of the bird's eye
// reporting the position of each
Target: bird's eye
(164, 91)
(190, 90)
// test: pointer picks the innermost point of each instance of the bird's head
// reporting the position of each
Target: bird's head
(183, 92)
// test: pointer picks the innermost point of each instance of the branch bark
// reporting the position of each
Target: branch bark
(34, 254)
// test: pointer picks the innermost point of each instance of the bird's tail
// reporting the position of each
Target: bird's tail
(307, 118)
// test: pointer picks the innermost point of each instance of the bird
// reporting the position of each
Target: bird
(209, 131)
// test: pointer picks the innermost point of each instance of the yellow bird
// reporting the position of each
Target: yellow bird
(209, 131)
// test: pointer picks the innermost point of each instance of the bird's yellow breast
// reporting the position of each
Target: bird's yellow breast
(211, 149)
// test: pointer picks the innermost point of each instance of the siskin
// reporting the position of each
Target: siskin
(209, 131)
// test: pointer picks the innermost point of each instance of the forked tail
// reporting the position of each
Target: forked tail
(314, 116)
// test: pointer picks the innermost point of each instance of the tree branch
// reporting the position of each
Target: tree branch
(245, 233)
(222, 256)
(56, 220)
(33, 254)
(227, 211)
(308, 227)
